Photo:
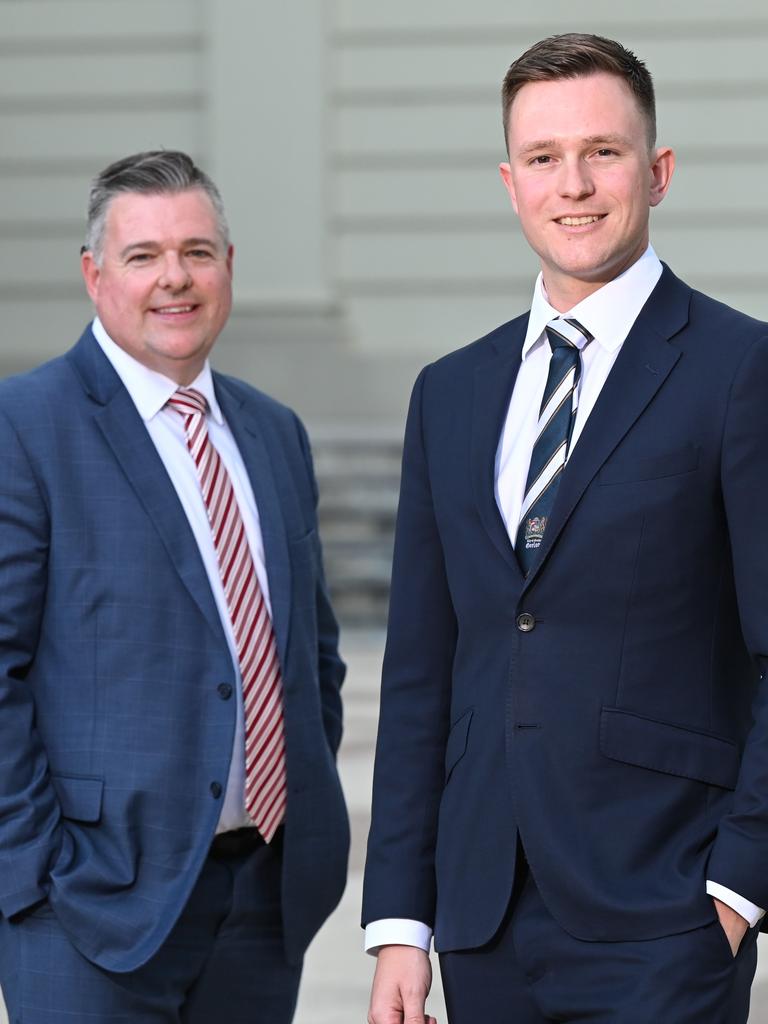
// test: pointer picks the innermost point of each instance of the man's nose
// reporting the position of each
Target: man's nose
(174, 274)
(575, 181)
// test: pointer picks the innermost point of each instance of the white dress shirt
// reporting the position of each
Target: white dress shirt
(608, 314)
(150, 391)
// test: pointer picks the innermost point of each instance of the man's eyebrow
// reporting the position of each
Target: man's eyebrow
(212, 243)
(529, 147)
(137, 245)
(610, 138)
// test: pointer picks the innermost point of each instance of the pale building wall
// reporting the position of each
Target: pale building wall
(356, 144)
(81, 83)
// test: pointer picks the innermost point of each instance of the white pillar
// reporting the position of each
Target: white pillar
(267, 148)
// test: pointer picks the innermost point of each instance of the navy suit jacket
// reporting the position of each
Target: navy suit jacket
(115, 731)
(623, 738)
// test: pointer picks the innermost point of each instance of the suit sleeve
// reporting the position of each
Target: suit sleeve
(331, 669)
(415, 700)
(29, 809)
(740, 851)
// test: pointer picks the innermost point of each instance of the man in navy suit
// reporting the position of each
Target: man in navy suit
(172, 829)
(571, 785)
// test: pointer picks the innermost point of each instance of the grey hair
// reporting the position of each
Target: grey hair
(150, 173)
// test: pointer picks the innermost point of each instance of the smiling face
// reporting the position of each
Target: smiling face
(163, 289)
(582, 180)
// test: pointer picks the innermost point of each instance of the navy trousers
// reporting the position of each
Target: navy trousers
(533, 972)
(223, 960)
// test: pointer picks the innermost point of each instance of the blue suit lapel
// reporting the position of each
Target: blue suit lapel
(122, 427)
(494, 381)
(642, 366)
(249, 431)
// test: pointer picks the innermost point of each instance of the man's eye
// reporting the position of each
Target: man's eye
(201, 254)
(606, 152)
(140, 257)
(542, 159)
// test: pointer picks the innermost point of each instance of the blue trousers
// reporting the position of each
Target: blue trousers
(223, 960)
(533, 972)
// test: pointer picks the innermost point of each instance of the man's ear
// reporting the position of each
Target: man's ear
(662, 169)
(91, 274)
(506, 176)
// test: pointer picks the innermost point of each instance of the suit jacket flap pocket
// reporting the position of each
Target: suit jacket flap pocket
(79, 796)
(622, 471)
(669, 748)
(457, 742)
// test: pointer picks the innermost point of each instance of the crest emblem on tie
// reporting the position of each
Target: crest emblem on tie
(534, 530)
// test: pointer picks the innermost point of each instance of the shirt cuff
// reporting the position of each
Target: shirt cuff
(396, 931)
(752, 914)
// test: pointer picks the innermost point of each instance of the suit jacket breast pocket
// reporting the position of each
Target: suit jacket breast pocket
(621, 470)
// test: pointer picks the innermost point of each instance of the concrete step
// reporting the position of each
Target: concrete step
(358, 474)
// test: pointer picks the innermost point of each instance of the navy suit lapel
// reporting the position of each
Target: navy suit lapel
(494, 381)
(248, 430)
(127, 436)
(642, 366)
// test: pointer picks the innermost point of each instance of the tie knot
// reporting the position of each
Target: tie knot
(188, 402)
(565, 332)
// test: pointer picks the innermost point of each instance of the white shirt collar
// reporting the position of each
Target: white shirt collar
(609, 313)
(149, 389)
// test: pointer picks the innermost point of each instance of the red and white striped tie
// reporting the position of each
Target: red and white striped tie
(265, 782)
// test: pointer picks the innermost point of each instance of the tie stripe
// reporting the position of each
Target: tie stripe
(546, 477)
(549, 450)
(566, 337)
(561, 394)
(264, 753)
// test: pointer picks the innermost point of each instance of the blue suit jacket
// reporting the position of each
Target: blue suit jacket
(615, 737)
(113, 729)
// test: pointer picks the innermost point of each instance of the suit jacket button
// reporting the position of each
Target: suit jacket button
(224, 691)
(216, 790)
(525, 622)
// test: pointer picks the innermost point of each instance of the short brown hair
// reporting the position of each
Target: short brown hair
(575, 55)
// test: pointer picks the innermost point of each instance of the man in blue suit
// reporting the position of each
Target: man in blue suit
(172, 829)
(571, 786)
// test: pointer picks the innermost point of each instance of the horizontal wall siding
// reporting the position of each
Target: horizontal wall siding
(424, 250)
(362, 18)
(51, 140)
(29, 26)
(81, 84)
(38, 83)
(36, 329)
(38, 203)
(428, 253)
(448, 69)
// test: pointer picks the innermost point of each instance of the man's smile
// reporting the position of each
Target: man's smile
(582, 221)
(177, 311)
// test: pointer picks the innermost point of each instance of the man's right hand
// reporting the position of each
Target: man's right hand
(401, 985)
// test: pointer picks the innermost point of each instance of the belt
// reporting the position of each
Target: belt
(236, 843)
